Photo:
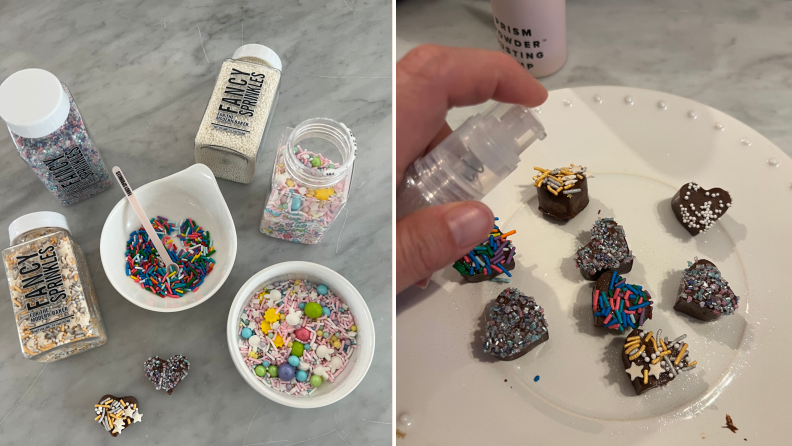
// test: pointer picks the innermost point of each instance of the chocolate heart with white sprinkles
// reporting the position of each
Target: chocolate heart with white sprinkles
(697, 208)
(166, 375)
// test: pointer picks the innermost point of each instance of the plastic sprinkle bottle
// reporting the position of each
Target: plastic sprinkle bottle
(308, 190)
(57, 314)
(51, 137)
(237, 117)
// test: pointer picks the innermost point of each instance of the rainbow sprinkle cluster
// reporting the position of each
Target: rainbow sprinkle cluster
(144, 266)
(492, 254)
(623, 305)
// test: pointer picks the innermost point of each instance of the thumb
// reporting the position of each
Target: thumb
(432, 238)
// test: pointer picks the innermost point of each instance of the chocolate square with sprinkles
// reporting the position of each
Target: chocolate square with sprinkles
(704, 293)
(652, 361)
(493, 257)
(619, 305)
(562, 192)
(515, 325)
(607, 250)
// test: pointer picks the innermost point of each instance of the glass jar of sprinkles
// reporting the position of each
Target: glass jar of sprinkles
(57, 314)
(308, 190)
(51, 137)
(237, 118)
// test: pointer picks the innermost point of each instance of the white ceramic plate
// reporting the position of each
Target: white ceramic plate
(191, 193)
(641, 147)
(328, 393)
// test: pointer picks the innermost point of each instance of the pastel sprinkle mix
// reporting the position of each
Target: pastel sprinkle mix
(704, 284)
(294, 335)
(145, 267)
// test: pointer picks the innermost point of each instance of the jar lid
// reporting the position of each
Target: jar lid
(259, 52)
(33, 103)
(36, 220)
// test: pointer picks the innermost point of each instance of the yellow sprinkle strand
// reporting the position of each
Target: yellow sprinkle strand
(692, 363)
(631, 345)
(660, 357)
(540, 169)
(646, 376)
(648, 336)
(681, 352)
(637, 354)
(654, 343)
(633, 338)
(663, 344)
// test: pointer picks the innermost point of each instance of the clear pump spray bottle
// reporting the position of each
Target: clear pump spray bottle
(471, 161)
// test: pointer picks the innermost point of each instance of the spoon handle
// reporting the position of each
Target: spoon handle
(163, 253)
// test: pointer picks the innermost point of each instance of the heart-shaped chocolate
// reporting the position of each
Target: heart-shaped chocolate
(698, 208)
(607, 250)
(492, 257)
(619, 305)
(166, 375)
(704, 294)
(653, 362)
(117, 414)
(515, 325)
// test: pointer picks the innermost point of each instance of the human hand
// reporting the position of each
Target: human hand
(430, 80)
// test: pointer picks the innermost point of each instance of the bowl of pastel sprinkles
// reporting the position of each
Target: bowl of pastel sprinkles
(300, 334)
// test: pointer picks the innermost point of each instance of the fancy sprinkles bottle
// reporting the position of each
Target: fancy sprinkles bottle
(51, 137)
(55, 307)
(309, 189)
(237, 118)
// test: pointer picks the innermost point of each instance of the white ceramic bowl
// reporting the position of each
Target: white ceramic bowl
(191, 193)
(327, 393)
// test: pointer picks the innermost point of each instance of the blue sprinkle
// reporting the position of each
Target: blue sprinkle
(536, 378)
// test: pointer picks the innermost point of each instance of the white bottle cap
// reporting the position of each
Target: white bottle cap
(259, 52)
(33, 103)
(35, 220)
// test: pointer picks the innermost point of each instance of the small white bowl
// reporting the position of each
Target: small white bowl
(327, 393)
(191, 193)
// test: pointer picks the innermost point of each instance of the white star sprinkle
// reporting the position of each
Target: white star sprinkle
(655, 370)
(635, 371)
(118, 426)
(137, 416)
(128, 411)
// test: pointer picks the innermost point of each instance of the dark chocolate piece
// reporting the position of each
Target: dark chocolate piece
(697, 208)
(653, 362)
(607, 250)
(515, 325)
(166, 375)
(704, 294)
(116, 413)
(493, 254)
(562, 192)
(612, 296)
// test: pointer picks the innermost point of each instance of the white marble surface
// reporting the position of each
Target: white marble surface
(735, 56)
(142, 73)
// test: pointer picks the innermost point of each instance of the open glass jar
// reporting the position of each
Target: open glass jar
(309, 190)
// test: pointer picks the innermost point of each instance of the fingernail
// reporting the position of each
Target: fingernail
(468, 222)
(423, 284)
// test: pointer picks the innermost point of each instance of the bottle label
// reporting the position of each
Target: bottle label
(240, 97)
(520, 43)
(71, 171)
(42, 292)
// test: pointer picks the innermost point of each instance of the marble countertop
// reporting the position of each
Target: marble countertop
(735, 56)
(142, 73)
